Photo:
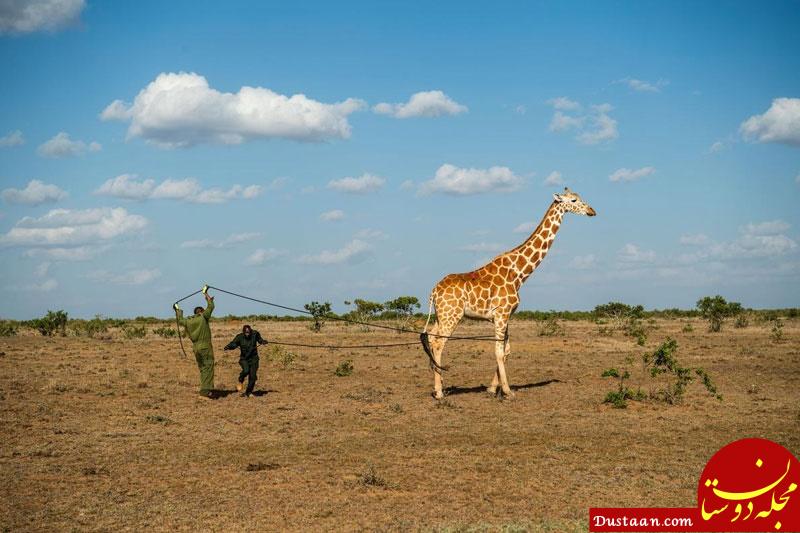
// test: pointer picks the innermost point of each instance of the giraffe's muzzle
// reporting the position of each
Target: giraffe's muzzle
(591, 212)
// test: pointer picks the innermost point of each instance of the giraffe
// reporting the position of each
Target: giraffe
(492, 292)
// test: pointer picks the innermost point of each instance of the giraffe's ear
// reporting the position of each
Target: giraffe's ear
(557, 198)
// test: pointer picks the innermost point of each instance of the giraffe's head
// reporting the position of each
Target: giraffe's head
(573, 202)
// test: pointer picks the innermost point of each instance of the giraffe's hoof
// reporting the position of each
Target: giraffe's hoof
(491, 391)
(438, 395)
(509, 394)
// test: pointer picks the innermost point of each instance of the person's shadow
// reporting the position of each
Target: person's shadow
(454, 391)
(224, 393)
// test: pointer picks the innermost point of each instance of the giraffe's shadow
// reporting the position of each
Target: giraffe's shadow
(454, 391)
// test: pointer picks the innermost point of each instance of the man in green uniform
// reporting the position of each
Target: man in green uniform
(247, 341)
(198, 330)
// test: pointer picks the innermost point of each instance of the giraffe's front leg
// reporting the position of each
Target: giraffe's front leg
(437, 347)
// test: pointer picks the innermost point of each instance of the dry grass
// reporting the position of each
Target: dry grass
(110, 435)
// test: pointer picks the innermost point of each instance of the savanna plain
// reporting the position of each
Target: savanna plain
(109, 433)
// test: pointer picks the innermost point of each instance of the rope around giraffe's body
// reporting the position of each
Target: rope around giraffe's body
(423, 335)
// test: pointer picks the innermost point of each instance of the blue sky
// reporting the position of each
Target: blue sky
(678, 122)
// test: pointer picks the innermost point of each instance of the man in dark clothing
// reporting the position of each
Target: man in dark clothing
(247, 341)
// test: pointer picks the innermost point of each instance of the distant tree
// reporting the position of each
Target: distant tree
(318, 312)
(403, 309)
(716, 309)
(365, 311)
(623, 317)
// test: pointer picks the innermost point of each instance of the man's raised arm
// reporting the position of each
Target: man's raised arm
(209, 306)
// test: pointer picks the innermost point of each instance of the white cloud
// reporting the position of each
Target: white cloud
(369, 233)
(525, 227)
(188, 190)
(408, 185)
(41, 269)
(131, 277)
(771, 227)
(364, 184)
(697, 239)
(450, 179)
(261, 256)
(780, 124)
(602, 127)
(36, 193)
(631, 253)
(231, 240)
(47, 285)
(181, 109)
(554, 179)
(583, 262)
(627, 174)
(520, 109)
(482, 247)
(643, 86)
(563, 122)
(62, 146)
(716, 147)
(351, 252)
(592, 127)
(332, 215)
(278, 183)
(60, 227)
(79, 253)
(25, 16)
(755, 240)
(422, 104)
(563, 103)
(14, 138)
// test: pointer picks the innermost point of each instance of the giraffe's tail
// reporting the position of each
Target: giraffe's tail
(430, 311)
(423, 338)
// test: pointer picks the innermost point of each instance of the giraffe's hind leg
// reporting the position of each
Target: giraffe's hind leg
(446, 322)
(492, 389)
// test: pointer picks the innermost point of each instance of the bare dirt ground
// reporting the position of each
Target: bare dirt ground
(110, 434)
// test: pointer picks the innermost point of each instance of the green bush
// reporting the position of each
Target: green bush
(662, 361)
(777, 330)
(90, 328)
(50, 324)
(166, 332)
(282, 356)
(7, 328)
(132, 331)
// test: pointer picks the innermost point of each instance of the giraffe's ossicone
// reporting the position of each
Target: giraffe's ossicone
(492, 291)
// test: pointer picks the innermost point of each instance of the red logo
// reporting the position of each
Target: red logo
(748, 486)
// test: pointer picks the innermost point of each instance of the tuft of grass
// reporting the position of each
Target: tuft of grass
(159, 419)
(345, 368)
(551, 327)
(370, 478)
(260, 467)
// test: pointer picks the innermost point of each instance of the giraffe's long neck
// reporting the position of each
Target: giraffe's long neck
(527, 256)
